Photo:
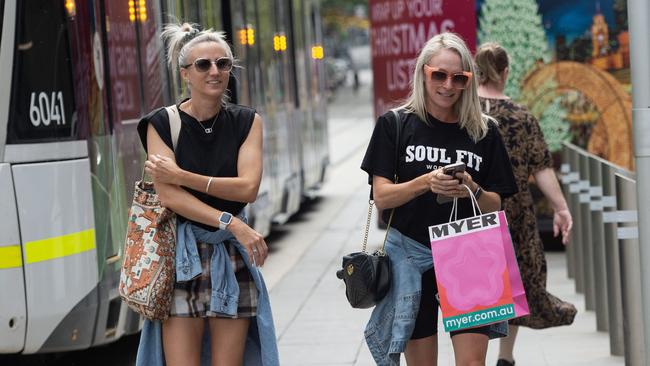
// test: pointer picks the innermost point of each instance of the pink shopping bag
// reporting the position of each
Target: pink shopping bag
(476, 271)
(516, 286)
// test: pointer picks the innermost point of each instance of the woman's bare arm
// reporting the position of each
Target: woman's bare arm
(183, 203)
(242, 188)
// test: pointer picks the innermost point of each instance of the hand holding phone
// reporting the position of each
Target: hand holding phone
(451, 170)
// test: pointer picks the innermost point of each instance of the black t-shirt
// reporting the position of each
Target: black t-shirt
(213, 154)
(424, 148)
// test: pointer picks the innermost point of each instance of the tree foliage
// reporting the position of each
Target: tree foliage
(517, 26)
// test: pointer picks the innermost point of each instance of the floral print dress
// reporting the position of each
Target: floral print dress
(528, 154)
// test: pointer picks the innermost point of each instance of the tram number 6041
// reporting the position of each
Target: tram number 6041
(45, 110)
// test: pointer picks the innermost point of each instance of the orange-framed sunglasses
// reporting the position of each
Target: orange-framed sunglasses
(459, 80)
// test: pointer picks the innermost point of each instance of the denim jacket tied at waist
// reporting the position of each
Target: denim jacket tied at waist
(393, 319)
(261, 347)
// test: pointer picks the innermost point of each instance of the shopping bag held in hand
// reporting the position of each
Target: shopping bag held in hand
(148, 273)
(476, 272)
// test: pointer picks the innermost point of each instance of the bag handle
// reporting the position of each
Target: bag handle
(174, 124)
(454, 207)
(371, 202)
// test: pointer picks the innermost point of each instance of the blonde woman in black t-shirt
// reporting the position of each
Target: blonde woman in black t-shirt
(207, 180)
(442, 123)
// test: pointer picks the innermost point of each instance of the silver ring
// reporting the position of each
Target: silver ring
(254, 250)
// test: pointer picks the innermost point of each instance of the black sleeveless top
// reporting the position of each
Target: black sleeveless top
(213, 154)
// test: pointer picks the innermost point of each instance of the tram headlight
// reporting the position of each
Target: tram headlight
(242, 36)
(142, 14)
(247, 35)
(317, 52)
(132, 11)
(71, 7)
(280, 42)
(137, 10)
(250, 35)
(283, 42)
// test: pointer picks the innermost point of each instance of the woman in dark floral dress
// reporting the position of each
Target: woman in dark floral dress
(529, 156)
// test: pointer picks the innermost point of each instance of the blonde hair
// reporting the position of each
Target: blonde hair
(468, 106)
(181, 38)
(491, 60)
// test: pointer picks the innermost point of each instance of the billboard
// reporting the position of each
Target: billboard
(399, 29)
(577, 77)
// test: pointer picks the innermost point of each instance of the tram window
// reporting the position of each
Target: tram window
(207, 13)
(271, 62)
(42, 98)
(211, 15)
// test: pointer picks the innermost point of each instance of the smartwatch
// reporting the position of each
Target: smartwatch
(224, 220)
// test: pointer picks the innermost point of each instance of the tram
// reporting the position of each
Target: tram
(75, 77)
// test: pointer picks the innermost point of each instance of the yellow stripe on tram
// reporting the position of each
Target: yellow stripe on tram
(10, 257)
(60, 246)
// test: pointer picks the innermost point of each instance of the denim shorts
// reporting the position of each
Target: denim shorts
(426, 323)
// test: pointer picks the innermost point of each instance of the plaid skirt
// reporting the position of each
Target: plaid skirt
(191, 299)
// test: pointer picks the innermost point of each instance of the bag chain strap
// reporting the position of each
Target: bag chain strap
(371, 202)
(365, 235)
(381, 251)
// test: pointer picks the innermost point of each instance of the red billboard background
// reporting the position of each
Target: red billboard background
(399, 29)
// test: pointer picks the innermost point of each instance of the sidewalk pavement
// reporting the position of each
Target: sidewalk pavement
(316, 326)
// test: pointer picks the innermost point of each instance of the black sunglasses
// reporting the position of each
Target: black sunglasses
(204, 64)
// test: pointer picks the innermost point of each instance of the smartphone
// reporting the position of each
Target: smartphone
(452, 170)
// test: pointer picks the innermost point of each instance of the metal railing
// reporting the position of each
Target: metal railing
(603, 256)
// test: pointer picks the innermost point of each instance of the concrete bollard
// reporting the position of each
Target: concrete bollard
(585, 227)
(576, 233)
(612, 262)
(567, 177)
(598, 243)
(630, 264)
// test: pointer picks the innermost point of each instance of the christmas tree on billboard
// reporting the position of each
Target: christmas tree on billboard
(517, 26)
(554, 126)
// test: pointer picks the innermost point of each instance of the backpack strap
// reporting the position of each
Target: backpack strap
(174, 124)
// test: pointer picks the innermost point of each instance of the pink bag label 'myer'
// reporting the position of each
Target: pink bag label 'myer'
(472, 271)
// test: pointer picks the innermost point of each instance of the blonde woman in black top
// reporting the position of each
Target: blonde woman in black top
(207, 180)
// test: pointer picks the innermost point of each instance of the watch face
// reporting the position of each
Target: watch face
(225, 218)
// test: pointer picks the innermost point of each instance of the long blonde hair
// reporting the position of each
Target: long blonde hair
(468, 106)
(181, 38)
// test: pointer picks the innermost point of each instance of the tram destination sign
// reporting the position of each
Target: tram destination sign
(399, 29)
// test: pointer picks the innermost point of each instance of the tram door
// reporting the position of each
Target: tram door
(301, 47)
(251, 91)
(48, 277)
(275, 24)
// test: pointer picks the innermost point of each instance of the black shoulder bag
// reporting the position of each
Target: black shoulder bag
(367, 276)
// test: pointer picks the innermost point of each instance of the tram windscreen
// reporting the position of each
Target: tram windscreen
(42, 98)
